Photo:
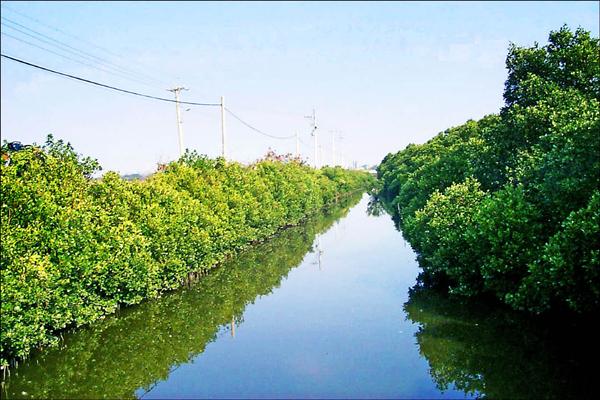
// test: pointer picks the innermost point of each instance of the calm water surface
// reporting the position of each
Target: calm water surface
(323, 310)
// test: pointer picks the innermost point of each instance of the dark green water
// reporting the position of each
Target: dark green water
(321, 310)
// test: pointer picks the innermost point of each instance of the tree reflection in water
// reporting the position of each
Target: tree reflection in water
(493, 352)
(139, 346)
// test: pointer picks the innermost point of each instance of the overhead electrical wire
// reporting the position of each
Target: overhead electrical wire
(45, 49)
(304, 144)
(275, 112)
(105, 50)
(58, 30)
(80, 53)
(69, 58)
(257, 130)
(116, 70)
(106, 86)
(139, 94)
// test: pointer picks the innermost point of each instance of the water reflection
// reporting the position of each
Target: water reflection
(142, 345)
(379, 206)
(493, 352)
(335, 329)
(375, 207)
(484, 349)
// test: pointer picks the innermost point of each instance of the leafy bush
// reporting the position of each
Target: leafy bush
(172, 331)
(442, 234)
(532, 240)
(566, 274)
(75, 249)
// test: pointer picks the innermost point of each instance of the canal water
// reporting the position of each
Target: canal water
(324, 310)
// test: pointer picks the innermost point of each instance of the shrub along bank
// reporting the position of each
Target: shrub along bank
(74, 249)
(509, 205)
(172, 331)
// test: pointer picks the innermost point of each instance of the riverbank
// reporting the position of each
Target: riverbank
(327, 309)
(104, 358)
(509, 205)
(75, 249)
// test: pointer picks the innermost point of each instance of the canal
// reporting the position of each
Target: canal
(321, 310)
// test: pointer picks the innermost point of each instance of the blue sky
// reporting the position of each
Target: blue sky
(384, 74)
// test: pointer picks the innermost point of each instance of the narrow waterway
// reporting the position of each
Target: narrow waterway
(322, 310)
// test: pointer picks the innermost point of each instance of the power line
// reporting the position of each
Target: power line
(136, 93)
(257, 130)
(79, 53)
(304, 143)
(123, 72)
(58, 30)
(82, 53)
(80, 40)
(106, 86)
(45, 49)
(68, 58)
(98, 60)
(274, 112)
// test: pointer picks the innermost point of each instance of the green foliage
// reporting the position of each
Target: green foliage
(172, 331)
(75, 249)
(569, 60)
(567, 271)
(446, 251)
(496, 206)
(509, 234)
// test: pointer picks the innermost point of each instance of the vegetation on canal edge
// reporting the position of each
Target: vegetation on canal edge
(75, 249)
(162, 335)
(509, 205)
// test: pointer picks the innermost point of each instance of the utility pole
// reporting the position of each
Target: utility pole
(223, 126)
(313, 119)
(179, 127)
(333, 148)
(316, 151)
(334, 132)
(341, 151)
(321, 158)
(297, 145)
